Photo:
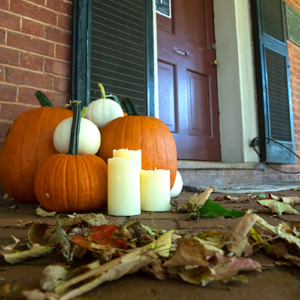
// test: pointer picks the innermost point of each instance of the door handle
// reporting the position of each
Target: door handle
(181, 52)
(214, 63)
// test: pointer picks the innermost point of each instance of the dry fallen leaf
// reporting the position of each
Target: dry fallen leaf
(53, 276)
(36, 233)
(42, 213)
(237, 237)
(238, 199)
(278, 207)
(286, 200)
(36, 251)
(197, 200)
(22, 224)
(9, 248)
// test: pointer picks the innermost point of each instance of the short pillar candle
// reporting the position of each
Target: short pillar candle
(123, 187)
(155, 190)
(129, 154)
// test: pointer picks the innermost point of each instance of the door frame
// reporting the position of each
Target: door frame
(236, 79)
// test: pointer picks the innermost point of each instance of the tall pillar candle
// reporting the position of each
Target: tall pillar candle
(155, 190)
(124, 187)
(129, 154)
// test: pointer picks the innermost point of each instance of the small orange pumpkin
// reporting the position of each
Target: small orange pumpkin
(72, 182)
(28, 143)
(134, 132)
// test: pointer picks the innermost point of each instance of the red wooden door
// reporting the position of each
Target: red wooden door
(188, 100)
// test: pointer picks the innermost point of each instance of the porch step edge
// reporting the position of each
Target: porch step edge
(194, 165)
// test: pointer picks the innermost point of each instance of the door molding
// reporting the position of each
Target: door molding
(236, 80)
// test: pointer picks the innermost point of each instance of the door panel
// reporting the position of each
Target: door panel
(166, 94)
(195, 22)
(199, 105)
(191, 110)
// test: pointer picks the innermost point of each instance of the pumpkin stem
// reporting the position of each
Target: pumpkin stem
(130, 107)
(114, 98)
(102, 91)
(44, 101)
(75, 129)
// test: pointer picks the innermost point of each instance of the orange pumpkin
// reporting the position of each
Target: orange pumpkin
(72, 182)
(135, 132)
(28, 143)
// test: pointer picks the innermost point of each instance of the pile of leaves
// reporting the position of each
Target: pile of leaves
(120, 249)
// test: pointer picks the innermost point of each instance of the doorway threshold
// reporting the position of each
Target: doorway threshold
(211, 165)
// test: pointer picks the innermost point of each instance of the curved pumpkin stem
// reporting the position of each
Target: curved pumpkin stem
(75, 129)
(44, 101)
(102, 91)
(130, 107)
(110, 96)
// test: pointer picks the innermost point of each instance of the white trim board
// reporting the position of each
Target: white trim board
(236, 87)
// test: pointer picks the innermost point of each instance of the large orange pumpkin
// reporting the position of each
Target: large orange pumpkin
(28, 143)
(135, 132)
(72, 182)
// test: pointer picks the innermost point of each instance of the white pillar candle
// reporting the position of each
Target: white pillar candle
(129, 154)
(123, 187)
(155, 190)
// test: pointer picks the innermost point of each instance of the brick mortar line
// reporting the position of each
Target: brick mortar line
(17, 103)
(37, 37)
(38, 5)
(36, 72)
(29, 86)
(6, 121)
(37, 54)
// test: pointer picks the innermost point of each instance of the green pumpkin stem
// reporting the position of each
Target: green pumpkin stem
(75, 129)
(130, 107)
(44, 101)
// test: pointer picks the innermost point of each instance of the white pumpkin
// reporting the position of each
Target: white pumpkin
(102, 111)
(177, 187)
(89, 137)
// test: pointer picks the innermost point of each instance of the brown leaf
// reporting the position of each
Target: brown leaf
(13, 207)
(286, 200)
(4, 290)
(42, 213)
(39, 295)
(226, 270)
(238, 199)
(36, 233)
(143, 236)
(117, 268)
(35, 251)
(178, 206)
(192, 252)
(9, 248)
(280, 250)
(199, 200)
(22, 224)
(53, 276)
(278, 207)
(237, 237)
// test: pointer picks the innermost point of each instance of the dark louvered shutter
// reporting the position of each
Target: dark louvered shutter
(273, 87)
(113, 45)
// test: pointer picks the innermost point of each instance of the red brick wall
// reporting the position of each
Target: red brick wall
(35, 54)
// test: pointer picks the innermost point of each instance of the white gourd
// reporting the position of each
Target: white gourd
(89, 137)
(177, 187)
(102, 111)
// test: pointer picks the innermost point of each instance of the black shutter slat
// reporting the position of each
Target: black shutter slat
(272, 19)
(273, 88)
(118, 54)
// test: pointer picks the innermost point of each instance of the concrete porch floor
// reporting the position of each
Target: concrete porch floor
(273, 283)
